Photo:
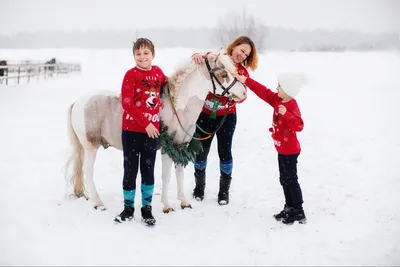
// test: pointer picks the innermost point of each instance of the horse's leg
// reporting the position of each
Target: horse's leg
(180, 175)
(166, 178)
(88, 168)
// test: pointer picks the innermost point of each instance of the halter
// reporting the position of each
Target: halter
(212, 76)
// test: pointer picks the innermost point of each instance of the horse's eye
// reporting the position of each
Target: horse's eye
(224, 75)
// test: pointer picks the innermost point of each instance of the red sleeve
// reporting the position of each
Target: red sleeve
(293, 119)
(263, 92)
(243, 71)
(163, 77)
(128, 95)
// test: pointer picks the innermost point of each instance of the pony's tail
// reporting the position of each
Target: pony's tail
(76, 159)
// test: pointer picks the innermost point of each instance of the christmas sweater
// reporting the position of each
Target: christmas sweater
(284, 127)
(140, 98)
(223, 107)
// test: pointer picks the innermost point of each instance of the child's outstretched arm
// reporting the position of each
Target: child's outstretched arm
(260, 90)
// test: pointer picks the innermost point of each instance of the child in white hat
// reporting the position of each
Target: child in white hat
(286, 122)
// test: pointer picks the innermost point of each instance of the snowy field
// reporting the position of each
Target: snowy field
(347, 170)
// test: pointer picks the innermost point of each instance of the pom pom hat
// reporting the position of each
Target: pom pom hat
(291, 83)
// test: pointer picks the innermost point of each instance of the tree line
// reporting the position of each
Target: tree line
(226, 29)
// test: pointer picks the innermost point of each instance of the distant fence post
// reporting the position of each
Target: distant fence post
(19, 74)
(18, 71)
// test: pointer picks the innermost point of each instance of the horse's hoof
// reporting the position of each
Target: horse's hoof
(100, 207)
(167, 210)
(186, 206)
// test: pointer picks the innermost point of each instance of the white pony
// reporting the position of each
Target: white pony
(95, 120)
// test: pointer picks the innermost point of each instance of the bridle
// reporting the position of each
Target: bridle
(213, 78)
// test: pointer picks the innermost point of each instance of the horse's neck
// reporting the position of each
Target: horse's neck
(196, 84)
(183, 124)
(190, 100)
(188, 118)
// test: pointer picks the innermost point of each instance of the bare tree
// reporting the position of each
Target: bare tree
(234, 24)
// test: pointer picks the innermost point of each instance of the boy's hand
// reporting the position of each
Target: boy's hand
(152, 131)
(240, 78)
(281, 109)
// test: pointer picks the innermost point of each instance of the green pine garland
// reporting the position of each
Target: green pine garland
(181, 154)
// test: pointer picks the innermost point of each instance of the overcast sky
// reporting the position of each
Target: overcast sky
(33, 15)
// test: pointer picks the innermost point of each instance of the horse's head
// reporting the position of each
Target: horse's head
(221, 69)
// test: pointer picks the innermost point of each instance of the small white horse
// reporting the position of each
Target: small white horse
(95, 120)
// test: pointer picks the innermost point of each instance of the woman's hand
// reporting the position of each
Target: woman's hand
(198, 58)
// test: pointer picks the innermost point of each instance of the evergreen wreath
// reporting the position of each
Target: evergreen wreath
(181, 154)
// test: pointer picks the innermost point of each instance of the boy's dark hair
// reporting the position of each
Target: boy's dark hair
(143, 43)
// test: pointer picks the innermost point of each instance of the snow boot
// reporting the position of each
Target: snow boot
(198, 192)
(295, 215)
(147, 216)
(125, 215)
(224, 185)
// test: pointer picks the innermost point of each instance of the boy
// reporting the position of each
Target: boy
(140, 97)
(286, 122)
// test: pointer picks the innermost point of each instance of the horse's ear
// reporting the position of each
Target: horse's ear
(220, 51)
(216, 59)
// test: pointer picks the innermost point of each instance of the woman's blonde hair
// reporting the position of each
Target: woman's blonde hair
(251, 61)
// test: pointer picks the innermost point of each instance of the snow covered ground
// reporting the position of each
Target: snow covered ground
(347, 170)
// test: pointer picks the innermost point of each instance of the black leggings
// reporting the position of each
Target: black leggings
(289, 180)
(224, 139)
(137, 145)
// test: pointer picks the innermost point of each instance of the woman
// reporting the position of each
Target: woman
(244, 54)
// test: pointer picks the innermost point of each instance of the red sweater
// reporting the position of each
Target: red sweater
(221, 110)
(284, 126)
(140, 97)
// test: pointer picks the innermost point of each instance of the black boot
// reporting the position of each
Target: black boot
(147, 216)
(283, 214)
(125, 215)
(295, 215)
(198, 192)
(224, 185)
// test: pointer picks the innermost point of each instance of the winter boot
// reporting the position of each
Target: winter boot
(295, 215)
(283, 214)
(147, 216)
(198, 192)
(125, 215)
(224, 185)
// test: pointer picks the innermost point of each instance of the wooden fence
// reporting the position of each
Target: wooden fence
(29, 72)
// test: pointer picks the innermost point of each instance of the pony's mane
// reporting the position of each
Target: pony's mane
(176, 79)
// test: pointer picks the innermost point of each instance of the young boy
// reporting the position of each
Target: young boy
(140, 97)
(286, 122)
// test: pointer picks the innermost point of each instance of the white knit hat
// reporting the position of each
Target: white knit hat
(291, 83)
